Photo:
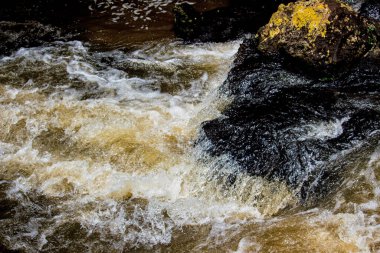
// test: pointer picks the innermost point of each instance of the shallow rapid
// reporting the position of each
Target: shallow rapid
(98, 154)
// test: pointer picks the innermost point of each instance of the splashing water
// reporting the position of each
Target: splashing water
(97, 155)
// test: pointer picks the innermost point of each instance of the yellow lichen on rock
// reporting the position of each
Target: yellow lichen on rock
(276, 22)
(312, 15)
(318, 32)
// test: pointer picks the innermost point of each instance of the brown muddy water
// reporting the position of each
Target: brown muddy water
(97, 154)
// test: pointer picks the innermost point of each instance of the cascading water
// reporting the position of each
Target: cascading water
(98, 154)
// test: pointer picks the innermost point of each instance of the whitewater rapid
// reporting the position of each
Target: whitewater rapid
(97, 154)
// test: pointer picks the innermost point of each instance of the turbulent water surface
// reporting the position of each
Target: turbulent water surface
(97, 154)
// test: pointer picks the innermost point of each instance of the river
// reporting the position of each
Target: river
(97, 154)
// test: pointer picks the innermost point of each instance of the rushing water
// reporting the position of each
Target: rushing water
(97, 154)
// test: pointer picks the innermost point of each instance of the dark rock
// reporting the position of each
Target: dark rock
(5, 249)
(285, 126)
(28, 34)
(47, 11)
(223, 24)
(326, 35)
(25, 23)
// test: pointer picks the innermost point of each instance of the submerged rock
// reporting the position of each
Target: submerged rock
(27, 34)
(25, 23)
(325, 34)
(285, 126)
(223, 24)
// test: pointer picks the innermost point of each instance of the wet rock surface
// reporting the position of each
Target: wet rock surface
(14, 35)
(33, 23)
(223, 24)
(305, 98)
(371, 9)
(282, 125)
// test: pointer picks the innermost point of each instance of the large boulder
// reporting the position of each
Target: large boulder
(284, 126)
(324, 34)
(222, 24)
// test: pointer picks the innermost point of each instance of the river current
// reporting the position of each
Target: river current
(97, 154)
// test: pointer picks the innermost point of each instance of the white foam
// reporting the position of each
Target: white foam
(247, 245)
(324, 130)
(177, 191)
(143, 116)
